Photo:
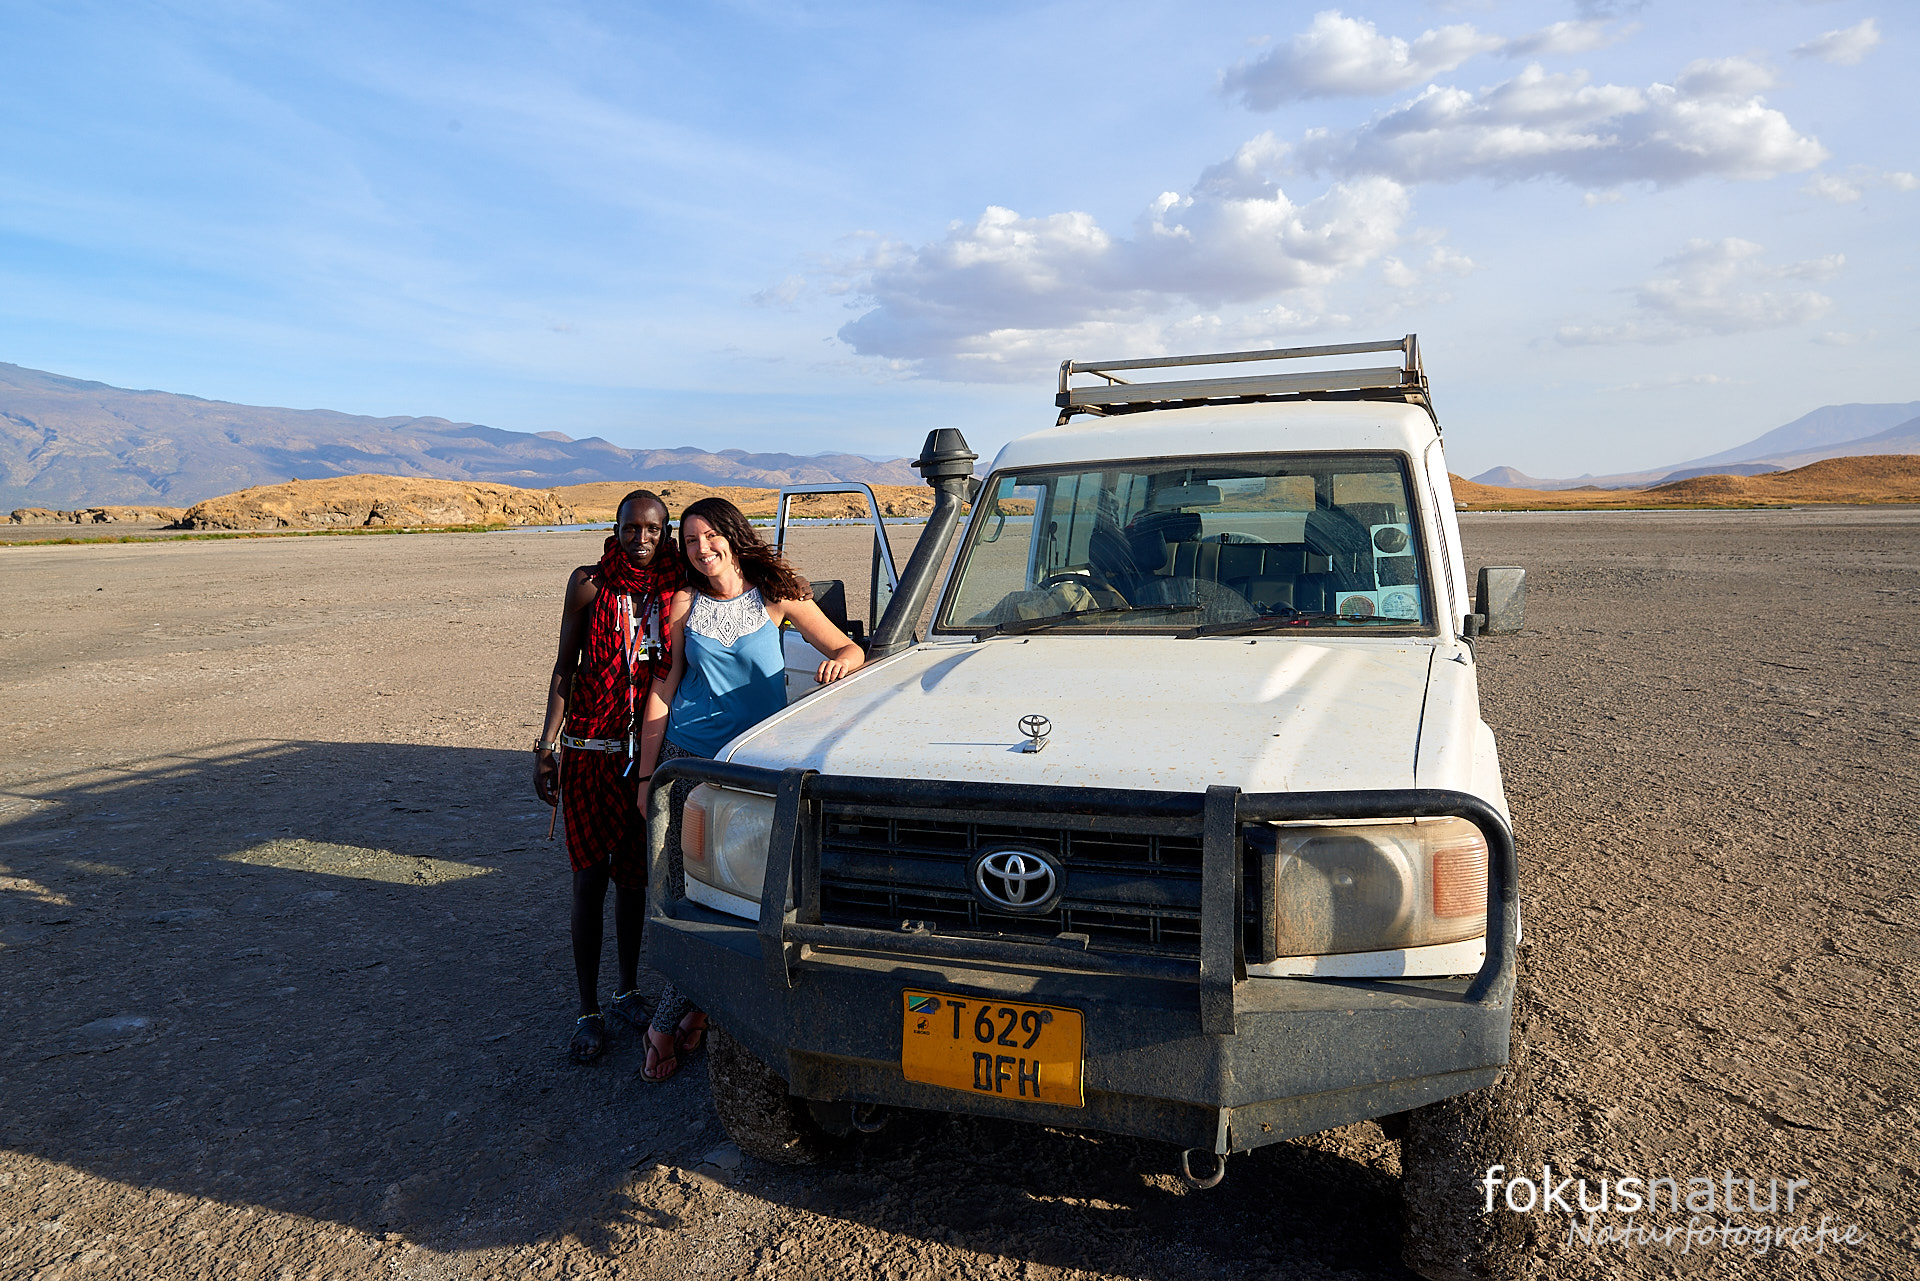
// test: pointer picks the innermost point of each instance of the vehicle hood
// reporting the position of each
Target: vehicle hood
(1155, 713)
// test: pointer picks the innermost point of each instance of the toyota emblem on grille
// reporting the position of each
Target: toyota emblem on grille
(1021, 881)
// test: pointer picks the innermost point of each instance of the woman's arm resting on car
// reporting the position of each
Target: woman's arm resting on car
(843, 656)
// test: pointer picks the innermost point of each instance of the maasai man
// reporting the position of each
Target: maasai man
(614, 641)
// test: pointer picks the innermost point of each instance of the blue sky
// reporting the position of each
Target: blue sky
(1627, 234)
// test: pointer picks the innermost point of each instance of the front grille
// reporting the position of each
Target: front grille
(1126, 891)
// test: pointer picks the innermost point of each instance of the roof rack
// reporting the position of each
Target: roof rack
(1405, 382)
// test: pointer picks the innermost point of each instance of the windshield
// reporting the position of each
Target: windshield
(1234, 545)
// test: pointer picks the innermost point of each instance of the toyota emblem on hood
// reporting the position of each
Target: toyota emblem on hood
(1036, 728)
(1022, 881)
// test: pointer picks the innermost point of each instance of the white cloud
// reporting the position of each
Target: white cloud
(1842, 338)
(1238, 238)
(1007, 293)
(1678, 380)
(1715, 287)
(1449, 262)
(1845, 47)
(1580, 35)
(1338, 56)
(1845, 190)
(783, 293)
(1828, 187)
(1441, 261)
(1723, 78)
(1342, 57)
(1710, 121)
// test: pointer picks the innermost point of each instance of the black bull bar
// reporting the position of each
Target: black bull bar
(1210, 1058)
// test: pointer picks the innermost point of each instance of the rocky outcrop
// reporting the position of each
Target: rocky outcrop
(96, 516)
(358, 502)
(595, 502)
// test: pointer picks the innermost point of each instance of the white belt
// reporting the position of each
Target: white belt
(594, 744)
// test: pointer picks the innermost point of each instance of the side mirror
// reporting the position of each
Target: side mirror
(1500, 604)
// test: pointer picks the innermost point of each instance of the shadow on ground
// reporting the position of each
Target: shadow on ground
(332, 980)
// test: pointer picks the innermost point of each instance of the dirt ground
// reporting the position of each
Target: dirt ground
(286, 988)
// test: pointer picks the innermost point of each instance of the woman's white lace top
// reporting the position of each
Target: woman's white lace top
(727, 621)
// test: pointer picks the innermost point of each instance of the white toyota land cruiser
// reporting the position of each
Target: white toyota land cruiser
(1181, 822)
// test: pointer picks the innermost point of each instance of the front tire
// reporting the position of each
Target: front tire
(1446, 1151)
(759, 1115)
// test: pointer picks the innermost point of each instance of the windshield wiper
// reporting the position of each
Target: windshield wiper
(1021, 626)
(1266, 621)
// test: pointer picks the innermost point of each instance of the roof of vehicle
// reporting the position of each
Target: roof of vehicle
(1259, 428)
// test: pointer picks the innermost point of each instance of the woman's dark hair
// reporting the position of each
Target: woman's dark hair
(762, 566)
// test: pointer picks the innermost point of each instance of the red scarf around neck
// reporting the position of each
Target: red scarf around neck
(599, 702)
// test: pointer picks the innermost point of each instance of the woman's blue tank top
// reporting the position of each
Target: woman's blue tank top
(736, 675)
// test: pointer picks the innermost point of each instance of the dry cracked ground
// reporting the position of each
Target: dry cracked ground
(285, 984)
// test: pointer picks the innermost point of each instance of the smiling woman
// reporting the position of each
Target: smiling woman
(728, 674)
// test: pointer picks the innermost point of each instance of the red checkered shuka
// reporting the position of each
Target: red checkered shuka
(598, 804)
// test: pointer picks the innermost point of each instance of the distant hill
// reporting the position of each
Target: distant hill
(1725, 469)
(1880, 478)
(1883, 478)
(66, 442)
(1833, 431)
(1828, 425)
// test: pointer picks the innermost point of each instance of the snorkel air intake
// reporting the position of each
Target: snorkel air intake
(947, 464)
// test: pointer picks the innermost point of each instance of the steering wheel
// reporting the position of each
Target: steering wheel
(1089, 578)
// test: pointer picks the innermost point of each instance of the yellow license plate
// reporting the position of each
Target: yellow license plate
(1003, 1048)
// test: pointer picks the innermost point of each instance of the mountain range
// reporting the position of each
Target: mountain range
(1832, 431)
(66, 442)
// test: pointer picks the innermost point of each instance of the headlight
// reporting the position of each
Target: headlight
(723, 839)
(1368, 887)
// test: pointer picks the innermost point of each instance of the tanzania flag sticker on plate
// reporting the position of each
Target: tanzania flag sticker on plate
(1002, 1048)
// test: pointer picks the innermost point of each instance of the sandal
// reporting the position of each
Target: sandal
(691, 1038)
(661, 1063)
(629, 1007)
(589, 1038)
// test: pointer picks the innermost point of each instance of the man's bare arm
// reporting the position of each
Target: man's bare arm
(581, 593)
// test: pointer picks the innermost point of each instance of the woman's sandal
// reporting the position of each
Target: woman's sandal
(691, 1035)
(589, 1038)
(661, 1062)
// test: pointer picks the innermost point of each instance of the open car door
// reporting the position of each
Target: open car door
(802, 659)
